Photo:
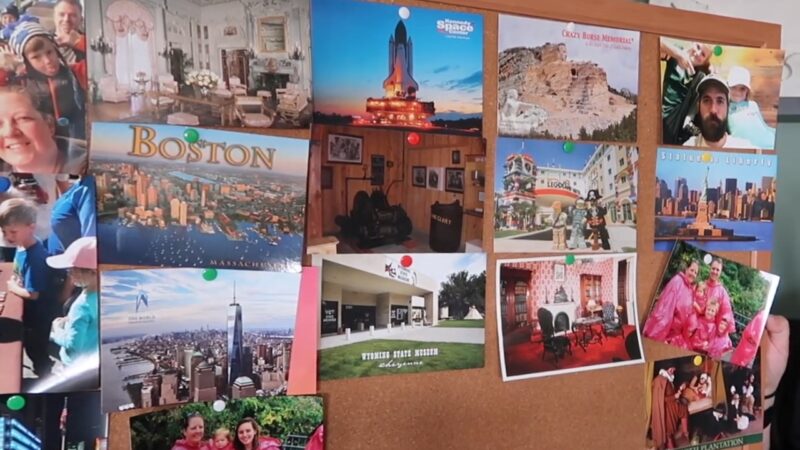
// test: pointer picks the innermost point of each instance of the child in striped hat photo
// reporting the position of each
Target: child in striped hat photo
(58, 88)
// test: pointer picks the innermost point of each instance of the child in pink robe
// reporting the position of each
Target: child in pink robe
(745, 352)
(709, 337)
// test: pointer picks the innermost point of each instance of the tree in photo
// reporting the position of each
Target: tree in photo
(462, 290)
(278, 417)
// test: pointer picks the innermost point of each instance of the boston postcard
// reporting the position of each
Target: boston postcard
(170, 196)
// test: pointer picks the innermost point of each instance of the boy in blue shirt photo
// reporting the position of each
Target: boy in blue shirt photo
(30, 281)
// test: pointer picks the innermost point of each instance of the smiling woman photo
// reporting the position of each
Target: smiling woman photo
(248, 437)
(193, 432)
(28, 142)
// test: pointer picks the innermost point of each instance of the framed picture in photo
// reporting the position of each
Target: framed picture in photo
(559, 272)
(435, 178)
(455, 157)
(454, 180)
(346, 149)
(418, 176)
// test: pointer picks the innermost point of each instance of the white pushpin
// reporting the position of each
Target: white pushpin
(708, 258)
(218, 406)
(404, 12)
(570, 27)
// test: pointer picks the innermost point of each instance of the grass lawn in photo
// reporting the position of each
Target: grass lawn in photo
(346, 361)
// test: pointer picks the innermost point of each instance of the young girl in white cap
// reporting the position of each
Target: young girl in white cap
(744, 115)
(78, 332)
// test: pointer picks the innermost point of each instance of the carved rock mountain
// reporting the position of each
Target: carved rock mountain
(562, 95)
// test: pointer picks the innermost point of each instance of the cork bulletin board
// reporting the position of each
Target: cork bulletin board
(474, 408)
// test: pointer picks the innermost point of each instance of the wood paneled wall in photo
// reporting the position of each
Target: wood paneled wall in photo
(346, 179)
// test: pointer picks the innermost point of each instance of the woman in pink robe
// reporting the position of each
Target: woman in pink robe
(673, 307)
(745, 352)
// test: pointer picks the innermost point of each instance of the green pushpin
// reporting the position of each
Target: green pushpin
(570, 259)
(717, 50)
(210, 274)
(15, 402)
(191, 135)
(569, 146)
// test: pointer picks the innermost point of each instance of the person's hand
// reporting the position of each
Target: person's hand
(776, 348)
(684, 61)
(68, 38)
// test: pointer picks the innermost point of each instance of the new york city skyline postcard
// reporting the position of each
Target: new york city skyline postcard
(719, 201)
(228, 200)
(396, 66)
(182, 335)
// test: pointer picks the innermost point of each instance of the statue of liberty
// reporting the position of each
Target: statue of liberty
(704, 192)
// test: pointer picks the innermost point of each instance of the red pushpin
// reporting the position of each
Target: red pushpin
(406, 261)
(413, 138)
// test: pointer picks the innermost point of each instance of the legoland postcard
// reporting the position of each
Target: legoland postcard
(401, 313)
(50, 295)
(696, 402)
(264, 423)
(718, 201)
(556, 316)
(547, 199)
(166, 339)
(225, 63)
(711, 305)
(561, 80)
(719, 96)
(219, 199)
(69, 421)
(397, 66)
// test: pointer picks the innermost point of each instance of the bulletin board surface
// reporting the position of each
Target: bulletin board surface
(474, 408)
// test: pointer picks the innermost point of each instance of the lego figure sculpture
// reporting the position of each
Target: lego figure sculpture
(577, 238)
(559, 227)
(596, 219)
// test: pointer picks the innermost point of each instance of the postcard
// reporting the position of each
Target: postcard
(306, 338)
(68, 421)
(230, 63)
(719, 96)
(393, 195)
(401, 313)
(580, 198)
(223, 200)
(696, 402)
(51, 95)
(181, 335)
(397, 66)
(718, 201)
(711, 305)
(570, 81)
(49, 227)
(263, 422)
(559, 315)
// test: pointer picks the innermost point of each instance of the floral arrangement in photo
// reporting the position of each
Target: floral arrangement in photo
(202, 79)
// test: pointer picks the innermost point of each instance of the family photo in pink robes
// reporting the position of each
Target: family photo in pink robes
(696, 312)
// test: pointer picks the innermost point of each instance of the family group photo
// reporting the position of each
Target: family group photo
(712, 306)
(256, 423)
(719, 96)
(43, 79)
